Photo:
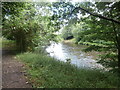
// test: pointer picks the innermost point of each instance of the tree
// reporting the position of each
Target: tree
(29, 27)
(111, 12)
(21, 28)
(12, 8)
(103, 23)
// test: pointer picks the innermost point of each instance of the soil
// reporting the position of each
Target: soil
(13, 75)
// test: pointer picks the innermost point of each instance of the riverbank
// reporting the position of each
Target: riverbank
(46, 72)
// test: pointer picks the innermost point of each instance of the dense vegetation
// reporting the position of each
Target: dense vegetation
(33, 25)
(28, 28)
(97, 29)
(7, 44)
(46, 72)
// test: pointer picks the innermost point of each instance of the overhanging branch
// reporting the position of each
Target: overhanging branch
(100, 16)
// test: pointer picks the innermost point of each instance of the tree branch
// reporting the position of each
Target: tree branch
(103, 17)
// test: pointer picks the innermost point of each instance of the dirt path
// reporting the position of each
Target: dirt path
(12, 72)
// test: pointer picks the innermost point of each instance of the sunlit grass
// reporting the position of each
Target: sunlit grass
(7, 44)
(46, 72)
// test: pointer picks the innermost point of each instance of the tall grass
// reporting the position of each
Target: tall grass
(46, 72)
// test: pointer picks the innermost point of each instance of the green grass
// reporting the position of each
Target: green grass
(46, 72)
(7, 44)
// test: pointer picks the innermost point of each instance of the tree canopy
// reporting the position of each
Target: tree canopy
(95, 24)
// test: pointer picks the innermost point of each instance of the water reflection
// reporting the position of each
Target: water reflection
(63, 51)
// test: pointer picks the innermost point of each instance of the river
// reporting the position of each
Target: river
(68, 51)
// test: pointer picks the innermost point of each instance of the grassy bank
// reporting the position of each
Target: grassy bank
(46, 72)
(7, 44)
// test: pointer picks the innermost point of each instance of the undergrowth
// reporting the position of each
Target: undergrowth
(46, 72)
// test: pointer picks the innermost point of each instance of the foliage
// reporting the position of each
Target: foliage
(97, 31)
(22, 29)
(5, 44)
(33, 25)
(94, 24)
(110, 60)
(12, 8)
(46, 72)
(27, 28)
(66, 32)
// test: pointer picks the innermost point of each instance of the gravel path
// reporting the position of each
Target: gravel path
(13, 75)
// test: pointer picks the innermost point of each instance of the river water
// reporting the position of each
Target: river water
(66, 50)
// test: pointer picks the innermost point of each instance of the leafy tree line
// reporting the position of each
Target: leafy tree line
(25, 24)
(113, 25)
(98, 27)
(94, 24)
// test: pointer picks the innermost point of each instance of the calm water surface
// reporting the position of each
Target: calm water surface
(67, 50)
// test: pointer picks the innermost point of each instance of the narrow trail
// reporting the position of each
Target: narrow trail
(13, 75)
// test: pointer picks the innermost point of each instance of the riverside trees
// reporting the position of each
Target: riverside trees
(95, 24)
(24, 23)
(100, 28)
